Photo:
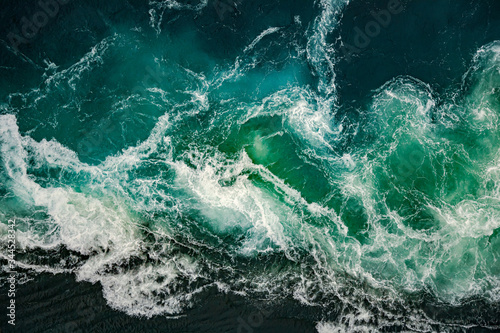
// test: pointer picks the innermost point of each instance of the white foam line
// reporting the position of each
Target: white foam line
(263, 34)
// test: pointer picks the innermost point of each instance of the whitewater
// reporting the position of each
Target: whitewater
(162, 172)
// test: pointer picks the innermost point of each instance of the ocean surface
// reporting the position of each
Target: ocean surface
(250, 166)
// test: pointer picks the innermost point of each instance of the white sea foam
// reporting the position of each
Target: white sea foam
(158, 9)
(302, 115)
(112, 208)
(80, 219)
(88, 62)
(319, 52)
(241, 206)
(263, 34)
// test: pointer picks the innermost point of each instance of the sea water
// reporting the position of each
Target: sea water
(274, 150)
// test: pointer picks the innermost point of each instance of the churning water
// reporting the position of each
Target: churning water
(276, 150)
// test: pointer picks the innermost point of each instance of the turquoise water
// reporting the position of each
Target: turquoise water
(170, 148)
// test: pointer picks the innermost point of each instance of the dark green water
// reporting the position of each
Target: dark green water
(332, 166)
